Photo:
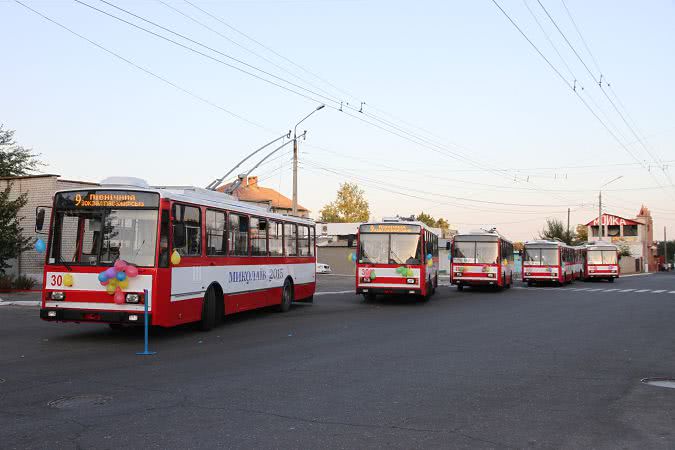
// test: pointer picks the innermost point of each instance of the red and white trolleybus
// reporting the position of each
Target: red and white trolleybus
(199, 255)
(551, 261)
(481, 259)
(396, 257)
(602, 261)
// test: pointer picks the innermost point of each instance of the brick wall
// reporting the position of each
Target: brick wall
(40, 191)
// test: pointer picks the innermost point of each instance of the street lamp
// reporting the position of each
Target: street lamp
(295, 159)
(600, 206)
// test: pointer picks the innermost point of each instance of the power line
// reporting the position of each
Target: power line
(143, 69)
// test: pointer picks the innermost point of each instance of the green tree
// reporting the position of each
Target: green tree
(426, 219)
(555, 229)
(581, 234)
(15, 160)
(350, 205)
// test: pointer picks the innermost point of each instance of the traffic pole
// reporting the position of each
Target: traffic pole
(146, 324)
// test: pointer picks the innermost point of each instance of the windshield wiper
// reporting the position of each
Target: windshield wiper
(63, 261)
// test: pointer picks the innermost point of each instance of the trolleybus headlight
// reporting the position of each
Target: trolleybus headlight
(365, 280)
(410, 281)
(57, 295)
(51, 313)
(133, 298)
(491, 275)
(458, 274)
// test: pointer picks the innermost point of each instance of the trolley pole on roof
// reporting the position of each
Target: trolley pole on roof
(600, 207)
(295, 160)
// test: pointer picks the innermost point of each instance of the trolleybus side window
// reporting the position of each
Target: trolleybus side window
(187, 230)
(290, 239)
(216, 238)
(164, 239)
(312, 243)
(258, 236)
(276, 238)
(238, 235)
(303, 240)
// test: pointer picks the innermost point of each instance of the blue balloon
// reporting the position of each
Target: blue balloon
(354, 257)
(40, 246)
(102, 277)
(429, 256)
(121, 276)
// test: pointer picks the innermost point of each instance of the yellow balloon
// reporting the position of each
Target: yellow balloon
(124, 283)
(110, 289)
(175, 258)
(112, 282)
(68, 280)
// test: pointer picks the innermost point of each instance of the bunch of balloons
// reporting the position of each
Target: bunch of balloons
(370, 273)
(430, 261)
(116, 278)
(351, 257)
(405, 271)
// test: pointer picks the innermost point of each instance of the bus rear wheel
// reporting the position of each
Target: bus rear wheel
(460, 287)
(368, 298)
(286, 297)
(209, 309)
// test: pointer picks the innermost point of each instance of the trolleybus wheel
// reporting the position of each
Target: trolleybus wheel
(611, 280)
(529, 284)
(208, 310)
(116, 326)
(286, 296)
(368, 298)
(508, 286)
(460, 287)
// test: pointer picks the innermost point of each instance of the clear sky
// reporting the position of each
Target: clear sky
(494, 136)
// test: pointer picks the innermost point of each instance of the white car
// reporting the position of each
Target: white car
(323, 268)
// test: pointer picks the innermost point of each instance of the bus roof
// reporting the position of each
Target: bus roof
(601, 246)
(198, 196)
(543, 243)
(395, 221)
(479, 236)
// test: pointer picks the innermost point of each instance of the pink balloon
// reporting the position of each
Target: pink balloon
(119, 296)
(131, 271)
(120, 265)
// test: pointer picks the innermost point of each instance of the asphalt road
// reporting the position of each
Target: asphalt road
(528, 367)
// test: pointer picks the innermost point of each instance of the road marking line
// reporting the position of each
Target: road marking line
(659, 291)
(583, 289)
(610, 290)
(671, 292)
(595, 290)
(626, 290)
(334, 292)
(642, 290)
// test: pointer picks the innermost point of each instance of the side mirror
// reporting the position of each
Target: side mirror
(448, 245)
(40, 213)
(179, 236)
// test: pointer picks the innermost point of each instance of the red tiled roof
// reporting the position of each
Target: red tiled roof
(251, 191)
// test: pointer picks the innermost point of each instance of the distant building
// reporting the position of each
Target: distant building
(251, 192)
(40, 190)
(636, 234)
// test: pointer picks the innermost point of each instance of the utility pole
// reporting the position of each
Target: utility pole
(665, 248)
(568, 222)
(600, 215)
(295, 160)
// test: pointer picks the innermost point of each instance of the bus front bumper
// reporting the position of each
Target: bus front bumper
(83, 315)
(389, 290)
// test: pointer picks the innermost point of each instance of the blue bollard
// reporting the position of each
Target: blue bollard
(146, 324)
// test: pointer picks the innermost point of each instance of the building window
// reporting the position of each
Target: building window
(630, 230)
(276, 238)
(187, 222)
(258, 236)
(613, 230)
(290, 236)
(216, 243)
(594, 231)
(238, 235)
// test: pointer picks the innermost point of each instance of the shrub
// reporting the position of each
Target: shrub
(24, 283)
(6, 282)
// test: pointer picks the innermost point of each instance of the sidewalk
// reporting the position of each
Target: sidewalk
(20, 298)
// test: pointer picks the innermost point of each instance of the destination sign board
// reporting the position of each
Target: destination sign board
(389, 228)
(106, 199)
